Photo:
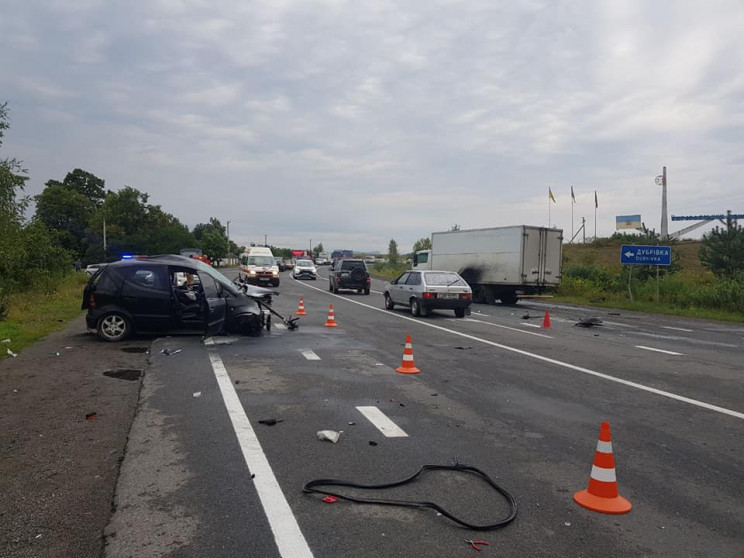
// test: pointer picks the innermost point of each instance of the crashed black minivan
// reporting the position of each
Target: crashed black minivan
(169, 295)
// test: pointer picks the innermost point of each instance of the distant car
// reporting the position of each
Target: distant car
(424, 291)
(92, 268)
(305, 269)
(289, 264)
(349, 273)
(280, 264)
(167, 295)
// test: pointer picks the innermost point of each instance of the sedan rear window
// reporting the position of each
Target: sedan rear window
(438, 279)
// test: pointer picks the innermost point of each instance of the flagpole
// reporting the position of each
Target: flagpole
(595, 215)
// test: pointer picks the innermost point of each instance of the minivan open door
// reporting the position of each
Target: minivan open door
(214, 314)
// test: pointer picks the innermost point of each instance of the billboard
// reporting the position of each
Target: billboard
(628, 222)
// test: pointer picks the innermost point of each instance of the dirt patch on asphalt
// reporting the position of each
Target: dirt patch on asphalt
(63, 431)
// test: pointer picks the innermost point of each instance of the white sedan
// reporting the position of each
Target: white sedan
(305, 269)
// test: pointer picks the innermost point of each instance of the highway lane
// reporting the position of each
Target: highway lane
(531, 422)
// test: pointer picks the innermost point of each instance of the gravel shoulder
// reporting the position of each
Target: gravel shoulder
(58, 469)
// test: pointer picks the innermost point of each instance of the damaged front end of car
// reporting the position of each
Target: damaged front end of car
(252, 312)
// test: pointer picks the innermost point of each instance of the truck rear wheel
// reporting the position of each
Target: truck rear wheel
(509, 297)
(485, 294)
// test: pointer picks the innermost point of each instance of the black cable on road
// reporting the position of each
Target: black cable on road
(314, 487)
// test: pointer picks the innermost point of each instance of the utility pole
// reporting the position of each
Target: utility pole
(228, 243)
(104, 239)
(583, 228)
(265, 241)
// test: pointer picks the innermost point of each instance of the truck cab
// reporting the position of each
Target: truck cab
(422, 259)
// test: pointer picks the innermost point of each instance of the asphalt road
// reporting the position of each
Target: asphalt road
(497, 391)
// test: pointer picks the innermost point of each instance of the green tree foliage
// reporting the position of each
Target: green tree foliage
(214, 244)
(13, 178)
(422, 244)
(212, 238)
(318, 249)
(134, 227)
(65, 211)
(84, 183)
(393, 255)
(28, 254)
(722, 251)
(214, 224)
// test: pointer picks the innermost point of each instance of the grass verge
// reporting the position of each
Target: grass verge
(36, 313)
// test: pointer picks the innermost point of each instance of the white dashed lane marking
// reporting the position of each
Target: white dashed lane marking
(541, 358)
(309, 355)
(388, 428)
(659, 350)
(677, 328)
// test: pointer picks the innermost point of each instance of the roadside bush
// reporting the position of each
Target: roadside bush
(724, 294)
(388, 270)
(589, 279)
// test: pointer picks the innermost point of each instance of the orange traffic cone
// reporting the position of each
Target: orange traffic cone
(301, 308)
(546, 320)
(408, 366)
(331, 322)
(602, 495)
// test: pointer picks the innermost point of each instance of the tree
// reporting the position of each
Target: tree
(66, 211)
(133, 226)
(214, 244)
(85, 184)
(422, 244)
(722, 250)
(318, 249)
(393, 256)
(28, 255)
(214, 224)
(13, 178)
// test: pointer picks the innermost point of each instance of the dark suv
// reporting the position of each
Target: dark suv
(349, 274)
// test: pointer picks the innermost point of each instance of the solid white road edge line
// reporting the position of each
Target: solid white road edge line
(309, 355)
(628, 383)
(381, 421)
(677, 329)
(659, 350)
(289, 539)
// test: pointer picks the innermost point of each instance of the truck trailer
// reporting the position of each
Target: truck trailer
(500, 262)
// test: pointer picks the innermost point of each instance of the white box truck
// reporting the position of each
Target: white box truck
(499, 262)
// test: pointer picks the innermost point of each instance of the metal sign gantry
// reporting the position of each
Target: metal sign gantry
(704, 220)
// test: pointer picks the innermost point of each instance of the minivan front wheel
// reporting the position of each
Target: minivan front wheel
(113, 327)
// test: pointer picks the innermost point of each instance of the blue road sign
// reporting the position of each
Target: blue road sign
(645, 255)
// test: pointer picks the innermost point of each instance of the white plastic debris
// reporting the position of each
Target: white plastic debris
(197, 394)
(330, 435)
(5, 341)
(11, 353)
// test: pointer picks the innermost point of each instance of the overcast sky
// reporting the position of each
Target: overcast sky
(354, 122)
